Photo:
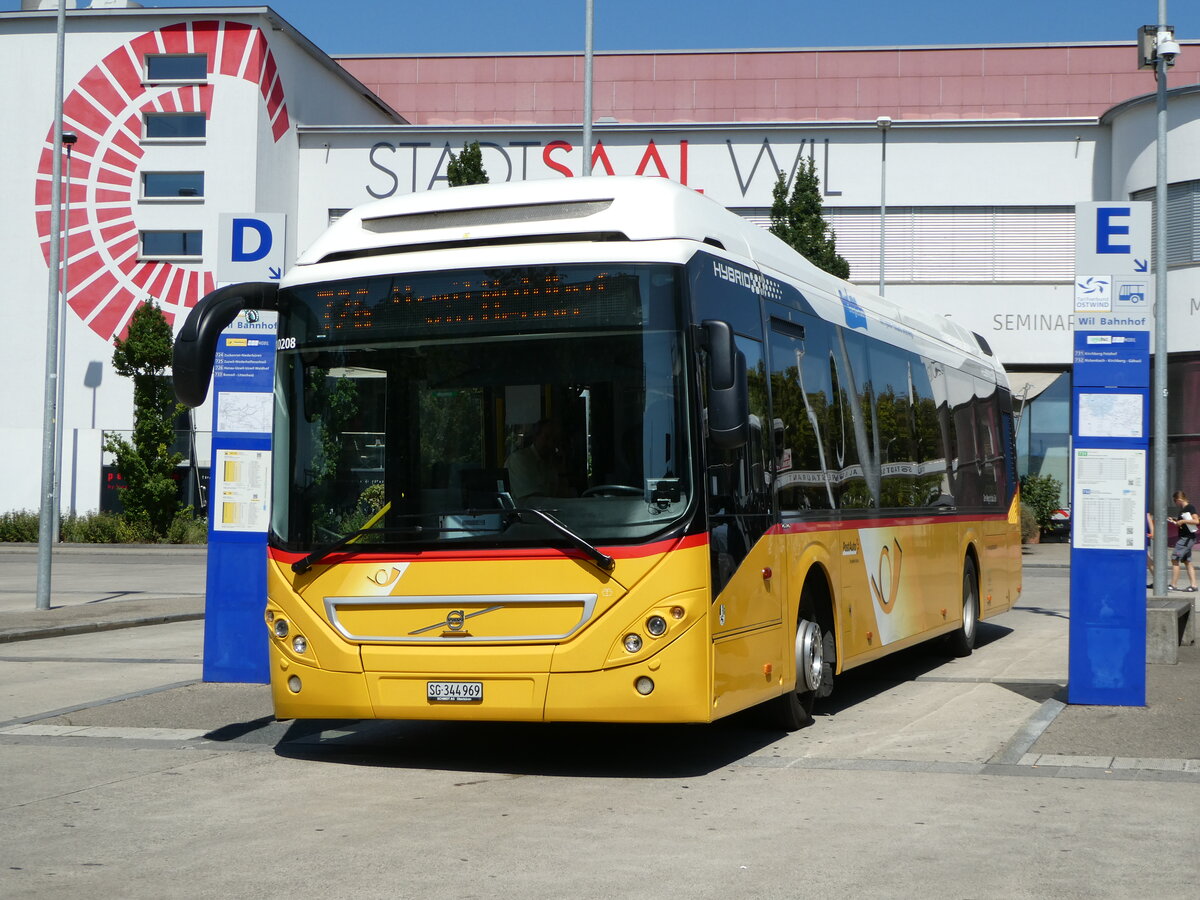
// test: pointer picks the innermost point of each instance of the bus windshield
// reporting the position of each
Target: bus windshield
(426, 410)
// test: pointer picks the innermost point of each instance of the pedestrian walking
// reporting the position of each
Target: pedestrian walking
(1188, 522)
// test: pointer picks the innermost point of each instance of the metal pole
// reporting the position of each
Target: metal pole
(587, 90)
(69, 139)
(883, 123)
(1160, 323)
(48, 518)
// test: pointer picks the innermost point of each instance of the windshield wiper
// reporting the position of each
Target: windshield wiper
(602, 560)
(305, 563)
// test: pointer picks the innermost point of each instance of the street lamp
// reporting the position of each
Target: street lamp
(1164, 50)
(883, 123)
(69, 139)
(48, 515)
(587, 89)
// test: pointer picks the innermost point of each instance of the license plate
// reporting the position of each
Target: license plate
(454, 691)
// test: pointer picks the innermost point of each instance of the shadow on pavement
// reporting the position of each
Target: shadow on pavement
(556, 750)
(600, 750)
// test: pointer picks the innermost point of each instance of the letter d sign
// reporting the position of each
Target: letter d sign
(241, 230)
(250, 247)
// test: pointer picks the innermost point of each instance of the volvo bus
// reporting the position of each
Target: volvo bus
(760, 476)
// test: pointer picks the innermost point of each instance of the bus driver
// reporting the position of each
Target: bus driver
(536, 469)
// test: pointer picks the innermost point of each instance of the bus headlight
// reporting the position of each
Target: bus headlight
(281, 628)
(633, 642)
(299, 643)
(656, 626)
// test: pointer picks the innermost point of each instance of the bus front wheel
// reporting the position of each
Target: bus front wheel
(815, 650)
(962, 641)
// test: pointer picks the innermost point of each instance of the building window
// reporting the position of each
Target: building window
(954, 244)
(172, 185)
(176, 125)
(172, 244)
(1183, 222)
(177, 67)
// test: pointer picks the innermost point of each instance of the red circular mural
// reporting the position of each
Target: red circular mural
(107, 280)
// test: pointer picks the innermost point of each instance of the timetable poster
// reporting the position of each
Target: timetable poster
(1109, 508)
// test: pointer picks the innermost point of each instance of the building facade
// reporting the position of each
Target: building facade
(185, 115)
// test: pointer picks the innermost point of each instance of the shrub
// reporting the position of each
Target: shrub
(105, 528)
(187, 528)
(1041, 493)
(19, 526)
(1029, 525)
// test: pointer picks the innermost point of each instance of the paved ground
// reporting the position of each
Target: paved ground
(127, 776)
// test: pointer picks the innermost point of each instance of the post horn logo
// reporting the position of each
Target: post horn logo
(891, 580)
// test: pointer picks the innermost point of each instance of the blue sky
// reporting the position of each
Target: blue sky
(408, 26)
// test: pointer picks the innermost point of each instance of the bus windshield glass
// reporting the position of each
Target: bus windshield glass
(427, 410)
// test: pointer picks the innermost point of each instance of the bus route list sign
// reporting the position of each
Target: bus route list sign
(235, 642)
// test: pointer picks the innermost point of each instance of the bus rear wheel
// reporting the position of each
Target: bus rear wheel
(962, 641)
(815, 650)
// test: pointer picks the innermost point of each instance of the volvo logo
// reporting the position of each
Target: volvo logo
(455, 621)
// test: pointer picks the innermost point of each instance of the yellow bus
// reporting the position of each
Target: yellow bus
(601, 450)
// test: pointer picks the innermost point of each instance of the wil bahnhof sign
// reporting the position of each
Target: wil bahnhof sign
(1110, 437)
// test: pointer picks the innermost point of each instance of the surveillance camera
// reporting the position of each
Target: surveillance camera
(1166, 46)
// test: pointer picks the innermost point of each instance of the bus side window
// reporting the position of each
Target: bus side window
(801, 390)
(891, 374)
(930, 449)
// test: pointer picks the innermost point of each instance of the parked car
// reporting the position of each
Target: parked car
(1060, 524)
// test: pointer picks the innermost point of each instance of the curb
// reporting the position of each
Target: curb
(35, 632)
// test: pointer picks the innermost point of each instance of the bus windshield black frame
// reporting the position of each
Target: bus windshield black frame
(425, 409)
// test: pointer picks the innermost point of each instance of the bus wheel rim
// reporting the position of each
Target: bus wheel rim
(968, 604)
(810, 657)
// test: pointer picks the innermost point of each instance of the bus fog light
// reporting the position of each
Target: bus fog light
(633, 642)
(299, 643)
(294, 684)
(281, 628)
(644, 685)
(656, 626)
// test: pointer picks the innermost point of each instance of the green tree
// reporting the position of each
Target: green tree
(151, 495)
(798, 222)
(467, 167)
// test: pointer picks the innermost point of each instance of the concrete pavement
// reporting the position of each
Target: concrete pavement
(1019, 670)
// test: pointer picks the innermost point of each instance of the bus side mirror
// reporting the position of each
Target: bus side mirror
(196, 345)
(728, 395)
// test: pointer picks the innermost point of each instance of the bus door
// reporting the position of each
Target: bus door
(747, 568)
